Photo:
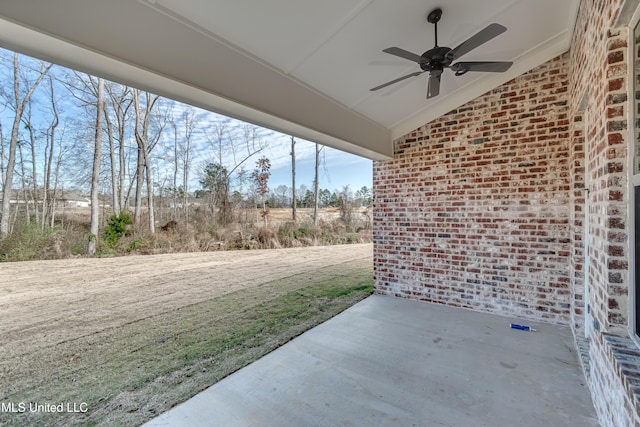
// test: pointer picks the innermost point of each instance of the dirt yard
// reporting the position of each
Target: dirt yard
(56, 317)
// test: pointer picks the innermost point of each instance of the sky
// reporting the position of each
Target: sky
(337, 168)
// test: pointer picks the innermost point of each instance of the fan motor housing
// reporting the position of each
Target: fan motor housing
(435, 59)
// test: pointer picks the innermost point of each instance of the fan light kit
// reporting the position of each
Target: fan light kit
(438, 58)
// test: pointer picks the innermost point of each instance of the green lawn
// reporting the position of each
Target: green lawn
(130, 374)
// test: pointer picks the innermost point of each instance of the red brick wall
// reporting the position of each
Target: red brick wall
(473, 211)
(599, 69)
(598, 74)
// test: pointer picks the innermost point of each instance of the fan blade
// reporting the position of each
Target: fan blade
(476, 40)
(417, 73)
(403, 54)
(485, 66)
(433, 88)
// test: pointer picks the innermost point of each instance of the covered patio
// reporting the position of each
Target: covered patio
(391, 361)
(511, 194)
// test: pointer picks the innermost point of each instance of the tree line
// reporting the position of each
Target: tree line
(132, 151)
(281, 197)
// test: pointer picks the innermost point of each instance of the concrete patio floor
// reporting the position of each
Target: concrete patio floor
(395, 362)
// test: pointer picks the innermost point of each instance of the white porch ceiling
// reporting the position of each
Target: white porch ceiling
(298, 66)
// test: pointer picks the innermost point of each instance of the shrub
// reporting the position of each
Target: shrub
(116, 228)
(137, 244)
(302, 231)
(29, 242)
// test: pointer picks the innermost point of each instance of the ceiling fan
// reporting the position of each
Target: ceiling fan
(438, 58)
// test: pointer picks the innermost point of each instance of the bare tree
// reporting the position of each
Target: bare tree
(219, 140)
(145, 145)
(316, 188)
(20, 99)
(1, 156)
(176, 169)
(189, 126)
(233, 148)
(116, 116)
(84, 90)
(54, 194)
(294, 200)
(95, 175)
(23, 186)
(47, 199)
(280, 196)
(34, 168)
(182, 160)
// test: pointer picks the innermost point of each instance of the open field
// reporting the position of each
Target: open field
(126, 338)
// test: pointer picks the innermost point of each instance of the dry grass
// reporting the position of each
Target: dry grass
(133, 347)
(69, 237)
